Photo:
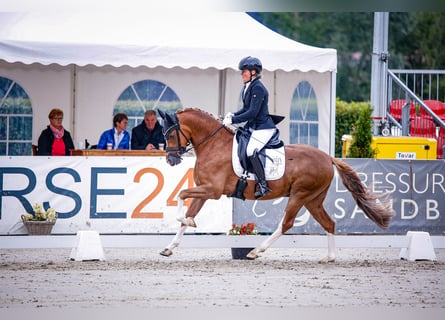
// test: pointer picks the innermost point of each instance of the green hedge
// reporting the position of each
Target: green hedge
(350, 115)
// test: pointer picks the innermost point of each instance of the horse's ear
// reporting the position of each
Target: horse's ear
(169, 118)
(161, 114)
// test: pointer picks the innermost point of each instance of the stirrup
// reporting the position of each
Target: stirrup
(262, 191)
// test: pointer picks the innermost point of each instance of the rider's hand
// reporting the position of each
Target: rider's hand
(227, 120)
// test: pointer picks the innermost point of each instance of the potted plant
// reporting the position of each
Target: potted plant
(40, 222)
(243, 230)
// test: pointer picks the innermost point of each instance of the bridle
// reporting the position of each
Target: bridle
(180, 149)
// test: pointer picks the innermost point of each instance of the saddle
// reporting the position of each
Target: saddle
(242, 137)
(271, 156)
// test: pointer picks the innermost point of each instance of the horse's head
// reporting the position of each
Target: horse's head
(172, 134)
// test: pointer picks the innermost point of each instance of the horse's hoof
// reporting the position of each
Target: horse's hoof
(326, 260)
(191, 222)
(166, 252)
(252, 255)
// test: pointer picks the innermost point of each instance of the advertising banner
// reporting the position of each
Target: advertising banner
(106, 194)
(417, 188)
(139, 195)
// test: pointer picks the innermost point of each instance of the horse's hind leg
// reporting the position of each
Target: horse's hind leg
(293, 206)
(317, 210)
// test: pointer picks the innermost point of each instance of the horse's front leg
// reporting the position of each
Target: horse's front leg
(199, 194)
(195, 206)
(168, 251)
(185, 220)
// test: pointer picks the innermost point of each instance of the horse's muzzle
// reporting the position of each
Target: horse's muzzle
(173, 159)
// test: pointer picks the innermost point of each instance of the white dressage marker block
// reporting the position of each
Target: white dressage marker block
(419, 247)
(88, 247)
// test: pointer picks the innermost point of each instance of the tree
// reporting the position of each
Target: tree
(429, 33)
(416, 41)
(349, 33)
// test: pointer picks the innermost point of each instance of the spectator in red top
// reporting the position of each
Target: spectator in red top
(55, 140)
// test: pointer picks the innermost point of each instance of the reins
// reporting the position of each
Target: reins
(183, 149)
(208, 137)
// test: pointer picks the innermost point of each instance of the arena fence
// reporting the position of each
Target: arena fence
(216, 241)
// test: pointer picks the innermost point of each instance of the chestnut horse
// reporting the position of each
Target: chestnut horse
(306, 180)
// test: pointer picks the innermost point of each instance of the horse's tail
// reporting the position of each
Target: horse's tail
(377, 209)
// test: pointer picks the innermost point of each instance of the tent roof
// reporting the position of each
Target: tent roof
(203, 40)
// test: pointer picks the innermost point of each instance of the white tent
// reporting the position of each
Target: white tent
(81, 62)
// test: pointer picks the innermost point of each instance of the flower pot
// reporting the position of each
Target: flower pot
(38, 227)
(240, 253)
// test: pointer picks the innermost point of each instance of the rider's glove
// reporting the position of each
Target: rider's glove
(228, 119)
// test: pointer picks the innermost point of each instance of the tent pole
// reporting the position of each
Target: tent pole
(333, 109)
(73, 100)
(275, 92)
(222, 92)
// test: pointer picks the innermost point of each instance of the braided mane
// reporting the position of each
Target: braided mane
(203, 113)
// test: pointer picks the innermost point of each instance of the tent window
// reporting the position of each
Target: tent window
(304, 116)
(15, 119)
(144, 95)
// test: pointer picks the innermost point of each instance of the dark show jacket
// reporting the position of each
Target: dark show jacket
(255, 108)
(141, 136)
(46, 141)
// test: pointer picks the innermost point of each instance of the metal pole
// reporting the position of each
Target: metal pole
(379, 66)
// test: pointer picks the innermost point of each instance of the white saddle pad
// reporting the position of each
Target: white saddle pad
(275, 163)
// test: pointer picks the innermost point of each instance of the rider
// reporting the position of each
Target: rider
(256, 112)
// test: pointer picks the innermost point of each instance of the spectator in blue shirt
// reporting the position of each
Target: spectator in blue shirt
(117, 136)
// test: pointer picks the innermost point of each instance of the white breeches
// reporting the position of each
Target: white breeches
(258, 139)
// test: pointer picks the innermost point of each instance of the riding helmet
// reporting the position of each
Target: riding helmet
(250, 63)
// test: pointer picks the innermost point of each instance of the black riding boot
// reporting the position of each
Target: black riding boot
(260, 176)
